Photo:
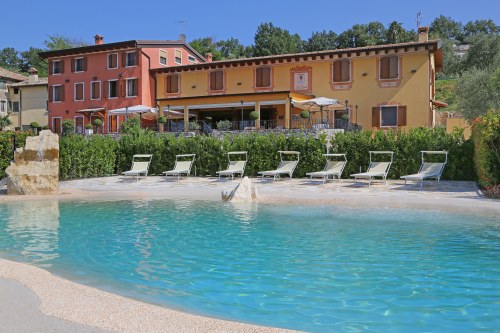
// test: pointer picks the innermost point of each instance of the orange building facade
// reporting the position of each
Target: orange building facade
(85, 83)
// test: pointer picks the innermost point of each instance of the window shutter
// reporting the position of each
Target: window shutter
(212, 81)
(258, 77)
(384, 68)
(51, 94)
(401, 115)
(266, 77)
(51, 67)
(137, 54)
(345, 75)
(375, 116)
(122, 88)
(61, 93)
(84, 63)
(105, 89)
(336, 71)
(394, 67)
(220, 80)
(73, 65)
(168, 84)
(61, 66)
(175, 84)
(124, 59)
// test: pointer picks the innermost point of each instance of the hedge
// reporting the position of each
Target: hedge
(486, 137)
(101, 155)
(6, 142)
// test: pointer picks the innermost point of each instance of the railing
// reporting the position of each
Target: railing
(317, 124)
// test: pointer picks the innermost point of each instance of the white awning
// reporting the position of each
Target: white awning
(129, 110)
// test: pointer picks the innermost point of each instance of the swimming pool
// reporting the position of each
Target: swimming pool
(313, 268)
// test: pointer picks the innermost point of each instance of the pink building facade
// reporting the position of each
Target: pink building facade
(86, 82)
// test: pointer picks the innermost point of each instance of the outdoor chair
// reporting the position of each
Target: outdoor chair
(376, 168)
(332, 168)
(286, 167)
(428, 170)
(140, 166)
(235, 166)
(183, 165)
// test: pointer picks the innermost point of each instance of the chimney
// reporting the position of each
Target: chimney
(182, 38)
(423, 34)
(208, 56)
(98, 39)
(33, 75)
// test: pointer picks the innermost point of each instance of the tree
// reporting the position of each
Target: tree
(476, 27)
(483, 52)
(396, 33)
(270, 40)
(30, 58)
(9, 59)
(376, 33)
(61, 42)
(4, 122)
(230, 49)
(321, 41)
(446, 28)
(452, 63)
(478, 91)
(206, 45)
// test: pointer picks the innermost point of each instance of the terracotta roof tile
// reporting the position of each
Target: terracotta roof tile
(11, 75)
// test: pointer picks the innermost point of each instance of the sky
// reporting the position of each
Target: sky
(29, 22)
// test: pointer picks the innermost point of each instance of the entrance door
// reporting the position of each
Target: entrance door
(56, 125)
(79, 125)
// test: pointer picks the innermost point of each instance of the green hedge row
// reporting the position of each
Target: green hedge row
(98, 155)
(6, 143)
(486, 136)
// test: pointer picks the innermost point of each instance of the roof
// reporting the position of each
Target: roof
(42, 81)
(429, 45)
(119, 45)
(4, 73)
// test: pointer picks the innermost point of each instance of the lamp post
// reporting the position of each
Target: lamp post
(168, 117)
(241, 127)
(356, 107)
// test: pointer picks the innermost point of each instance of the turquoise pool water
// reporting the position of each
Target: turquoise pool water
(311, 268)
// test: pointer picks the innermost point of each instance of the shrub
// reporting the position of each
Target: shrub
(6, 145)
(34, 125)
(98, 122)
(89, 126)
(486, 137)
(68, 127)
(254, 115)
(45, 127)
(304, 115)
(162, 120)
(194, 126)
(224, 125)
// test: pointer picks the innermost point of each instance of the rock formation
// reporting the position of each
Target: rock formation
(243, 192)
(35, 169)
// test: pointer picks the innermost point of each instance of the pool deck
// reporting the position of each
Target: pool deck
(47, 303)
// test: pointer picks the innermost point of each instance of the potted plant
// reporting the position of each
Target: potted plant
(89, 129)
(35, 126)
(224, 125)
(305, 115)
(194, 126)
(161, 121)
(97, 124)
(254, 115)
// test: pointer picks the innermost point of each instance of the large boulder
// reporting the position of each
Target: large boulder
(243, 192)
(35, 169)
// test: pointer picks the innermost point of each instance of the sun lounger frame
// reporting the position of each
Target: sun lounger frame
(421, 175)
(231, 170)
(178, 172)
(370, 175)
(138, 166)
(280, 169)
(324, 175)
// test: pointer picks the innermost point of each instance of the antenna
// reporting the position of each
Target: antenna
(420, 16)
(182, 25)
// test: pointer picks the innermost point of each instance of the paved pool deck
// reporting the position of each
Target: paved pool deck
(32, 299)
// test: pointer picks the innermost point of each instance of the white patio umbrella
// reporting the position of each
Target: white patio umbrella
(130, 110)
(320, 104)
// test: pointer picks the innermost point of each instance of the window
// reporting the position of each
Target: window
(57, 93)
(79, 65)
(15, 107)
(57, 67)
(178, 57)
(16, 91)
(172, 84)
(389, 68)
(79, 129)
(79, 91)
(112, 124)
(263, 77)
(113, 89)
(132, 87)
(163, 57)
(191, 59)
(3, 105)
(95, 90)
(112, 60)
(56, 125)
(342, 71)
(2, 84)
(130, 59)
(388, 116)
(217, 80)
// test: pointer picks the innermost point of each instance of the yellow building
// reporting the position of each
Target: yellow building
(29, 101)
(385, 86)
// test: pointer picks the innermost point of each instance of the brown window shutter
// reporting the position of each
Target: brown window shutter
(266, 77)
(175, 84)
(61, 93)
(124, 59)
(258, 77)
(220, 80)
(137, 58)
(401, 115)
(375, 116)
(61, 66)
(393, 70)
(168, 83)
(212, 81)
(122, 88)
(73, 65)
(84, 64)
(51, 67)
(345, 70)
(384, 68)
(51, 94)
(336, 71)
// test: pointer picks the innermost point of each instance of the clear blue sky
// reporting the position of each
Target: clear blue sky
(29, 22)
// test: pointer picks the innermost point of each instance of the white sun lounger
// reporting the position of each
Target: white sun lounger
(332, 168)
(235, 166)
(284, 168)
(376, 169)
(428, 170)
(183, 165)
(140, 166)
